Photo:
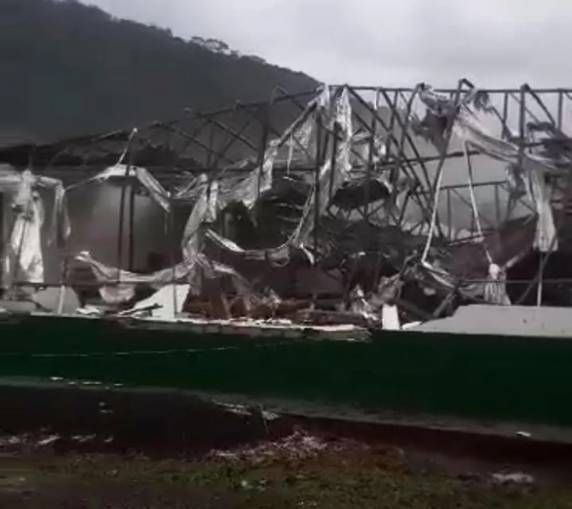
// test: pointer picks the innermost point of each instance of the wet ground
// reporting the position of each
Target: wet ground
(301, 470)
(108, 448)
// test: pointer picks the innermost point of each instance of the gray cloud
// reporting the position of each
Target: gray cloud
(382, 42)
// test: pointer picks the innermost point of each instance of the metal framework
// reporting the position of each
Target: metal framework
(389, 149)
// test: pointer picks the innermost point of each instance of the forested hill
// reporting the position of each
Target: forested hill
(67, 69)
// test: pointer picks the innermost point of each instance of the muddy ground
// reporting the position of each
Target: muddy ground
(301, 470)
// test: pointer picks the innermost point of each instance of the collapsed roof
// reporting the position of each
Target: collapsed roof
(427, 192)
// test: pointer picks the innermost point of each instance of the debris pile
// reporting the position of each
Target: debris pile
(297, 447)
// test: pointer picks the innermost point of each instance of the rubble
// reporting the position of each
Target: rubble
(298, 446)
(518, 478)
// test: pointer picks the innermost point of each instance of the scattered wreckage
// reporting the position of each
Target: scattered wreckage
(368, 206)
(426, 231)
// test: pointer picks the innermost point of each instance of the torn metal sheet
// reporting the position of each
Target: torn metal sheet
(260, 179)
(104, 273)
(212, 270)
(257, 182)
(156, 191)
(11, 182)
(118, 285)
(24, 261)
(330, 181)
(546, 238)
(469, 128)
(117, 294)
(201, 211)
(23, 257)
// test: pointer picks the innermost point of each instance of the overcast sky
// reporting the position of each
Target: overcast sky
(382, 42)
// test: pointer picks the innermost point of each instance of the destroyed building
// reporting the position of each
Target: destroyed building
(374, 206)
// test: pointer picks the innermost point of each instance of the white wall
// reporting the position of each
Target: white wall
(95, 215)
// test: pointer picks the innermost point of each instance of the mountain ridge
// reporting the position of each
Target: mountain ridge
(71, 69)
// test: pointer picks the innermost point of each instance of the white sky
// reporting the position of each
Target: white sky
(382, 42)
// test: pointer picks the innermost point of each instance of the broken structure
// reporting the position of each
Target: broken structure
(365, 205)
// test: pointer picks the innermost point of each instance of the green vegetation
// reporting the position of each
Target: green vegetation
(333, 480)
(70, 69)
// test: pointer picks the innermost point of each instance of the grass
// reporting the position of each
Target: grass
(349, 477)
